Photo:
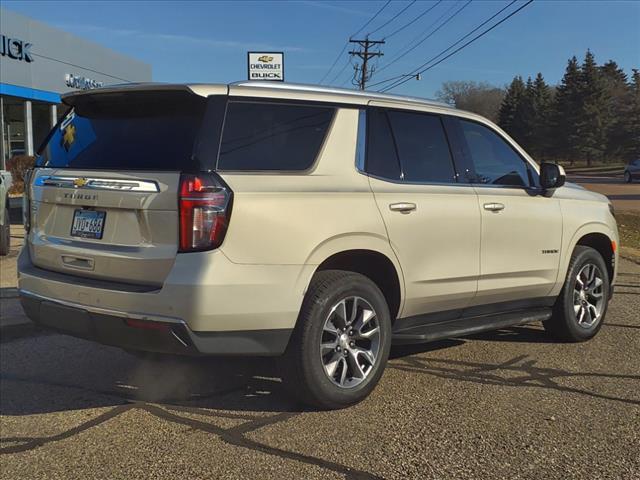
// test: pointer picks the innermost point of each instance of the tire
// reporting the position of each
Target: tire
(573, 320)
(5, 234)
(307, 371)
(627, 177)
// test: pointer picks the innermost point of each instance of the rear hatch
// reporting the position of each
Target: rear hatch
(104, 198)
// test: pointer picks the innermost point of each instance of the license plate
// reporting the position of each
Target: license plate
(88, 223)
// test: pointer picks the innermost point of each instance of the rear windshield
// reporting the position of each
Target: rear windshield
(132, 131)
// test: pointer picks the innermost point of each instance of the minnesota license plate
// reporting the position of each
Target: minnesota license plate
(88, 223)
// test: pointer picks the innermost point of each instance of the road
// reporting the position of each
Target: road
(509, 404)
(624, 196)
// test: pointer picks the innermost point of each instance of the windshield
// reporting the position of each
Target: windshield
(132, 131)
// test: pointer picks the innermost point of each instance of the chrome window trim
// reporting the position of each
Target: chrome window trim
(144, 186)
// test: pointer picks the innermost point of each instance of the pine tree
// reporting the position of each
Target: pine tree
(541, 103)
(511, 115)
(566, 139)
(631, 123)
(592, 125)
(619, 93)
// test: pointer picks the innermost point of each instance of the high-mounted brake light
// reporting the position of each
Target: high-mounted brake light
(204, 205)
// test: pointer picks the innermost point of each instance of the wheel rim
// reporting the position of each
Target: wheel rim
(627, 177)
(350, 342)
(588, 296)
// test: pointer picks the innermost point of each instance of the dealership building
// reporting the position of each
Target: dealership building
(37, 64)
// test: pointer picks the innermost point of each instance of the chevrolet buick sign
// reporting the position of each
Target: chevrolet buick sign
(266, 66)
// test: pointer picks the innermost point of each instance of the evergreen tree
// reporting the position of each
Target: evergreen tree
(592, 125)
(566, 112)
(540, 109)
(631, 124)
(511, 114)
(618, 93)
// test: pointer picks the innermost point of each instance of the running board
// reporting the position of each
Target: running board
(467, 326)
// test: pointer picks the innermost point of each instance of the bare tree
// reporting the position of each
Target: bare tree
(478, 97)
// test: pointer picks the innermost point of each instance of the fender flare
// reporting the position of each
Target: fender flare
(344, 242)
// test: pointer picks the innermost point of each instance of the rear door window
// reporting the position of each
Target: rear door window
(129, 131)
(408, 146)
(272, 136)
(422, 147)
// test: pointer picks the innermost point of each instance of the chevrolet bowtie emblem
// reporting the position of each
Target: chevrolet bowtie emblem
(265, 58)
(80, 182)
(68, 137)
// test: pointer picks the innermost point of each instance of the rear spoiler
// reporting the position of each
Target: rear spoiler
(72, 98)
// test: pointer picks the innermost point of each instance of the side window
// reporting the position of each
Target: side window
(422, 147)
(382, 158)
(408, 146)
(272, 136)
(495, 162)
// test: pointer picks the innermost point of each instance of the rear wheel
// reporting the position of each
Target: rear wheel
(341, 343)
(5, 234)
(627, 177)
(582, 304)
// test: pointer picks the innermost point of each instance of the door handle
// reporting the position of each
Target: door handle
(494, 207)
(404, 207)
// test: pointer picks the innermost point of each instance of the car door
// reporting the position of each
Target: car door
(433, 222)
(521, 229)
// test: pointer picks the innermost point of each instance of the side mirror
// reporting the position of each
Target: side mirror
(551, 176)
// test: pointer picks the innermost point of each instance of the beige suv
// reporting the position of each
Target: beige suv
(319, 225)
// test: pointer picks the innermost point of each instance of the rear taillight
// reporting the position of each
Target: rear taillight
(205, 207)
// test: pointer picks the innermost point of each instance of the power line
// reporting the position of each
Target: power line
(433, 32)
(341, 70)
(398, 83)
(415, 19)
(450, 46)
(392, 18)
(347, 43)
(372, 18)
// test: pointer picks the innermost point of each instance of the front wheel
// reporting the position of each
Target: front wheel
(582, 304)
(341, 343)
(627, 177)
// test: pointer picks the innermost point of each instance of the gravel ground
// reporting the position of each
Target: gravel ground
(508, 404)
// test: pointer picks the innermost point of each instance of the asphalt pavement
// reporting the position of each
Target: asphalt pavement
(507, 404)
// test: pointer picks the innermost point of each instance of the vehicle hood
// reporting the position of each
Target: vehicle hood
(578, 192)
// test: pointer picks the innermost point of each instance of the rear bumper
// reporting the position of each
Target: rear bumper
(210, 306)
(135, 332)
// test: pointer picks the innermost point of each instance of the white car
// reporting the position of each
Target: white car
(5, 184)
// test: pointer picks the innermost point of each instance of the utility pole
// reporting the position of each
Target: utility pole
(365, 70)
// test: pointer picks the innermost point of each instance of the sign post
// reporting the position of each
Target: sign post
(265, 66)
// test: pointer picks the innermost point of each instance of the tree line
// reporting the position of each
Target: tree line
(592, 115)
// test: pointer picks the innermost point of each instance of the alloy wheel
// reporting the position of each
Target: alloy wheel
(588, 296)
(350, 343)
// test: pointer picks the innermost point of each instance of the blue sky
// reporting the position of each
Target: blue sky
(207, 41)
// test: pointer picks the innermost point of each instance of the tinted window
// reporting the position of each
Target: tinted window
(382, 159)
(269, 136)
(422, 147)
(134, 131)
(495, 162)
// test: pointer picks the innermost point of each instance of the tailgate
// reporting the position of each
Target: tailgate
(136, 240)
(104, 195)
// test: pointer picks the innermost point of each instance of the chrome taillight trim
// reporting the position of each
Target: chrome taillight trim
(145, 186)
